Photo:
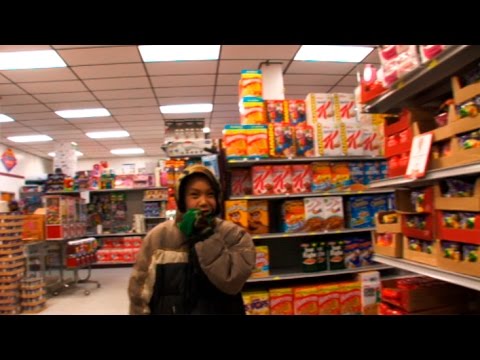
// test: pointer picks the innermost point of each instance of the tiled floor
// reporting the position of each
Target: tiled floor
(110, 299)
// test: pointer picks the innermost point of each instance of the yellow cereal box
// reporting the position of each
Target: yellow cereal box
(250, 83)
(235, 141)
(262, 263)
(328, 300)
(350, 298)
(305, 301)
(281, 301)
(236, 211)
(257, 141)
(256, 303)
(252, 111)
(258, 217)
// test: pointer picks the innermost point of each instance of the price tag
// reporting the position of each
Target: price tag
(400, 85)
(419, 155)
(432, 64)
(277, 278)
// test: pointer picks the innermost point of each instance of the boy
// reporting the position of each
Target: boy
(197, 263)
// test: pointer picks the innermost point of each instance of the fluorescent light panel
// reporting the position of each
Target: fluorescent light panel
(107, 134)
(83, 113)
(29, 138)
(186, 108)
(130, 151)
(4, 118)
(333, 53)
(42, 59)
(78, 153)
(153, 53)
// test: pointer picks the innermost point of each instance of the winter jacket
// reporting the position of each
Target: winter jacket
(171, 277)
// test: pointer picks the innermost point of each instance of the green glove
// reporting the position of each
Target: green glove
(194, 221)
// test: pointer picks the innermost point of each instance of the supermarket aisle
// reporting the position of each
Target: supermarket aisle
(110, 299)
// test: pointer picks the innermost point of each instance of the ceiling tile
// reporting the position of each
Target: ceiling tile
(39, 75)
(181, 68)
(226, 90)
(110, 71)
(3, 80)
(10, 89)
(183, 80)
(13, 48)
(350, 80)
(93, 120)
(37, 116)
(224, 99)
(55, 129)
(64, 97)
(135, 110)
(225, 107)
(75, 105)
(216, 114)
(184, 91)
(19, 109)
(343, 89)
(97, 56)
(53, 87)
(127, 103)
(125, 94)
(118, 83)
(126, 118)
(327, 68)
(264, 52)
(300, 92)
(229, 80)
(185, 100)
(17, 100)
(372, 58)
(34, 123)
(186, 116)
(311, 79)
(236, 66)
(80, 46)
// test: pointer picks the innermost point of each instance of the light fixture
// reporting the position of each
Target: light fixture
(107, 134)
(41, 59)
(152, 53)
(186, 108)
(333, 53)
(83, 113)
(4, 118)
(206, 130)
(29, 138)
(78, 153)
(130, 151)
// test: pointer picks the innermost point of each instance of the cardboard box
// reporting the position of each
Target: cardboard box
(370, 286)
(421, 257)
(388, 228)
(395, 249)
(471, 203)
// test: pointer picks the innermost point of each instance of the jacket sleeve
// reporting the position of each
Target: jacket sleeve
(137, 283)
(227, 258)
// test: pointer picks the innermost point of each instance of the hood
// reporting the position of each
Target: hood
(180, 187)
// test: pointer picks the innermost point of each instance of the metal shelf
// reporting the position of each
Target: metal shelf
(461, 170)
(260, 161)
(302, 195)
(311, 233)
(117, 235)
(287, 275)
(427, 76)
(104, 190)
(471, 282)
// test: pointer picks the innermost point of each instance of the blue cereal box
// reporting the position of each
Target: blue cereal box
(378, 203)
(358, 208)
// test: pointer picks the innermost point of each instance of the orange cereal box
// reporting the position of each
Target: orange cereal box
(296, 112)
(257, 141)
(350, 299)
(241, 182)
(281, 140)
(301, 178)
(321, 177)
(341, 175)
(262, 263)
(276, 111)
(262, 179)
(250, 83)
(235, 141)
(293, 215)
(256, 303)
(252, 111)
(282, 179)
(328, 300)
(304, 143)
(305, 301)
(281, 301)
(236, 211)
(258, 217)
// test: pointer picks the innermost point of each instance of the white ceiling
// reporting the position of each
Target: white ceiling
(116, 78)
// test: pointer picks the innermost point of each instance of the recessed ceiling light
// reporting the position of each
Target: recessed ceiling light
(5, 118)
(107, 134)
(206, 130)
(83, 113)
(152, 53)
(130, 151)
(41, 59)
(334, 53)
(78, 153)
(29, 138)
(186, 108)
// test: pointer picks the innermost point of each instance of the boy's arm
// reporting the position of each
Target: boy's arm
(227, 258)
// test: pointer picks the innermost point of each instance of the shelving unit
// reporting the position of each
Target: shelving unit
(316, 194)
(312, 233)
(291, 160)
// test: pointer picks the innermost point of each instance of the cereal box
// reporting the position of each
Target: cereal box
(352, 254)
(250, 83)
(370, 285)
(282, 179)
(296, 112)
(350, 299)
(276, 111)
(256, 303)
(319, 108)
(336, 255)
(252, 111)
(301, 178)
(352, 140)
(241, 182)
(258, 217)
(371, 171)
(321, 177)
(236, 211)
(328, 139)
(257, 141)
(281, 140)
(235, 141)
(262, 179)
(314, 219)
(332, 211)
(281, 301)
(305, 301)
(328, 300)
(304, 144)
(262, 263)
(344, 106)
(356, 175)
(378, 203)
(293, 215)
(358, 209)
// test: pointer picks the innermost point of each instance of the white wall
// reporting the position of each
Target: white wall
(117, 162)
(27, 166)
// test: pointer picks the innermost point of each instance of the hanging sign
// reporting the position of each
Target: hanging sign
(419, 155)
(9, 160)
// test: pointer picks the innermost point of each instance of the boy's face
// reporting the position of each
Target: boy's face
(200, 195)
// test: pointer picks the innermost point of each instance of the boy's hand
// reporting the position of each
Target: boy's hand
(195, 222)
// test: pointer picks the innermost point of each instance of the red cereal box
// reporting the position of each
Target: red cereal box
(296, 112)
(262, 179)
(301, 178)
(282, 179)
(241, 182)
